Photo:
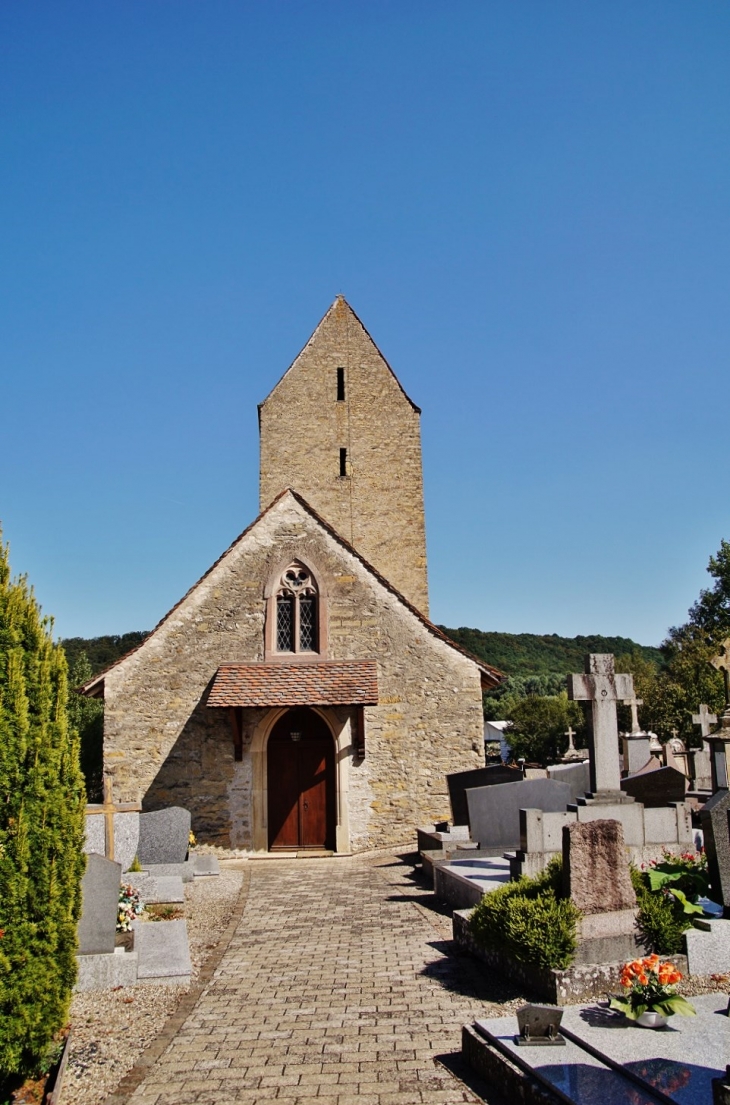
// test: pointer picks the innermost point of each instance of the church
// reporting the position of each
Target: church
(298, 698)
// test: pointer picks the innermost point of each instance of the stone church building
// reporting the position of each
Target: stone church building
(298, 697)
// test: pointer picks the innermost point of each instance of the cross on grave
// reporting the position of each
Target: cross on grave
(570, 733)
(704, 719)
(108, 808)
(603, 689)
(634, 703)
(722, 663)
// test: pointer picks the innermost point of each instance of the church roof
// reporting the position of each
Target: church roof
(309, 683)
(491, 677)
(341, 304)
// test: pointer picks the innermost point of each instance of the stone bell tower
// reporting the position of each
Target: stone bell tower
(339, 429)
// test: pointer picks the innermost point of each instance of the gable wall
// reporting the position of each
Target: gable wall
(378, 508)
(163, 744)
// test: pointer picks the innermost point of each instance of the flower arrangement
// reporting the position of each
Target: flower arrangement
(129, 907)
(684, 878)
(651, 989)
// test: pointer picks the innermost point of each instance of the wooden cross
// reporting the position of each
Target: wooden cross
(603, 688)
(108, 808)
(722, 663)
(634, 703)
(704, 719)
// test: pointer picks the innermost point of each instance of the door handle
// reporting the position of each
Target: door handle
(306, 805)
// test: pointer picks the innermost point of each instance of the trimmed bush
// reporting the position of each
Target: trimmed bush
(662, 920)
(41, 832)
(530, 920)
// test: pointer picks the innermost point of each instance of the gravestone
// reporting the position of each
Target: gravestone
(494, 812)
(576, 775)
(163, 951)
(715, 822)
(100, 904)
(655, 786)
(603, 688)
(700, 759)
(460, 781)
(636, 752)
(164, 836)
(596, 876)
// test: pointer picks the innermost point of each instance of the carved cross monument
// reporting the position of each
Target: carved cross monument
(704, 719)
(634, 703)
(603, 689)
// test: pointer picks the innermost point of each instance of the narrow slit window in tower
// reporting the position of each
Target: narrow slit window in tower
(340, 385)
(343, 463)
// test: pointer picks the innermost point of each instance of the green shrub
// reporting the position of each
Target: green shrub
(662, 920)
(530, 920)
(41, 831)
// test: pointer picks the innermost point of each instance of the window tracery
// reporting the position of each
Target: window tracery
(297, 620)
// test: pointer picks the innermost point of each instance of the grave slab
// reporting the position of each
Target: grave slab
(463, 882)
(577, 776)
(204, 864)
(679, 1060)
(103, 972)
(494, 812)
(100, 904)
(153, 890)
(184, 871)
(163, 951)
(164, 836)
(708, 953)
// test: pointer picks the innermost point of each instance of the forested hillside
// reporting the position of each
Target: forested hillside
(527, 654)
(100, 651)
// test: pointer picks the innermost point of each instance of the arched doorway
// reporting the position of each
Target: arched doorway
(301, 782)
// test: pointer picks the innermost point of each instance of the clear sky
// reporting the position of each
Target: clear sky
(526, 202)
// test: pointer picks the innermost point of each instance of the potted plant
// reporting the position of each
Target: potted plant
(650, 995)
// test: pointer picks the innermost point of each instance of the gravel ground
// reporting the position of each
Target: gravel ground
(112, 1027)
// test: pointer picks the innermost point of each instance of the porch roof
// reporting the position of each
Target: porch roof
(308, 683)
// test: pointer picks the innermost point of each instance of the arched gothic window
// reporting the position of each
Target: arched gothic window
(297, 613)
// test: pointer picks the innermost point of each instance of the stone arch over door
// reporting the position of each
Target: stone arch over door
(339, 723)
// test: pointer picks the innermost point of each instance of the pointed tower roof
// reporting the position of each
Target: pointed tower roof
(333, 315)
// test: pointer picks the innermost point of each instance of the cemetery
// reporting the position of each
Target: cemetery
(562, 884)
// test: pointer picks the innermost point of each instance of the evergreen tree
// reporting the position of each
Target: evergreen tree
(86, 716)
(41, 830)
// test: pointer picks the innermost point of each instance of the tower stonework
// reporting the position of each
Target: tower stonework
(339, 429)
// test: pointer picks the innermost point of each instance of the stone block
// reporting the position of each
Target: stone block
(100, 905)
(205, 864)
(494, 811)
(163, 952)
(660, 825)
(104, 972)
(708, 953)
(595, 867)
(164, 836)
(630, 814)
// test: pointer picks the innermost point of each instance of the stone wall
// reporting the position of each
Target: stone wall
(378, 505)
(163, 745)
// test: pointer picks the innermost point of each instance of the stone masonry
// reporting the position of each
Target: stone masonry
(377, 505)
(164, 746)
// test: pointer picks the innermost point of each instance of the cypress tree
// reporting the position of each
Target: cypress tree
(41, 830)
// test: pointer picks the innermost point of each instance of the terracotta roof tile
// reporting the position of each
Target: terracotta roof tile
(322, 683)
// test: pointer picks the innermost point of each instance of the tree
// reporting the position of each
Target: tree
(539, 724)
(711, 612)
(86, 716)
(42, 804)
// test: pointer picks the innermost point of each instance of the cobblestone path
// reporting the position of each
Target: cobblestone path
(335, 989)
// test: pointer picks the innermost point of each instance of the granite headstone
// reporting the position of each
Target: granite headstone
(654, 788)
(164, 836)
(636, 752)
(494, 811)
(100, 905)
(715, 822)
(576, 775)
(461, 781)
(164, 952)
(595, 867)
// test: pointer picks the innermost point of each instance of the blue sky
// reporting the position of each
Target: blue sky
(528, 205)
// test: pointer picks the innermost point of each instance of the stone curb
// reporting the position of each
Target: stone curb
(134, 1077)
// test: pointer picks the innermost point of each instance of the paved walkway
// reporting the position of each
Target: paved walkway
(335, 989)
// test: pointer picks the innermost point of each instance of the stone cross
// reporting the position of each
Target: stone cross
(722, 663)
(634, 703)
(603, 689)
(570, 734)
(704, 719)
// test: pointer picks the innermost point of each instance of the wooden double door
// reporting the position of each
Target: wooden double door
(301, 783)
